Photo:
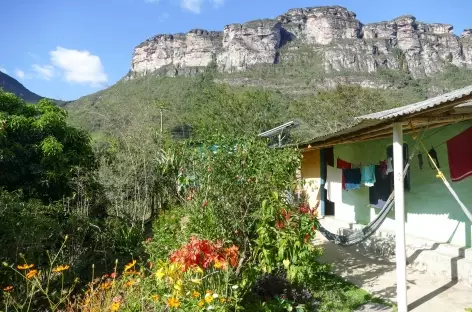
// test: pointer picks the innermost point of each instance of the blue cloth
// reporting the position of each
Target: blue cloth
(352, 178)
(368, 175)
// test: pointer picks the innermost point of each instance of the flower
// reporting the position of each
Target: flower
(130, 283)
(114, 275)
(61, 268)
(115, 306)
(220, 264)
(196, 294)
(201, 303)
(208, 298)
(31, 274)
(215, 296)
(130, 265)
(117, 299)
(25, 266)
(173, 302)
(107, 285)
(234, 287)
(155, 297)
(8, 288)
(222, 300)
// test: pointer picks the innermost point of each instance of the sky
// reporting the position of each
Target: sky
(65, 49)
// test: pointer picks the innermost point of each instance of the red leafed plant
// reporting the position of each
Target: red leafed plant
(203, 253)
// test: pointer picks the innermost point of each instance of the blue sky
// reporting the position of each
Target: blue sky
(65, 49)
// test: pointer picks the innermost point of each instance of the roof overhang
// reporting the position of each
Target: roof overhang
(436, 112)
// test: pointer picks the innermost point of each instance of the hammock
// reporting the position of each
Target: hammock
(369, 230)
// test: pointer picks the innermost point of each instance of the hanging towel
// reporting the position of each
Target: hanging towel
(434, 155)
(368, 175)
(333, 185)
(341, 164)
(459, 152)
(379, 193)
(353, 178)
(383, 167)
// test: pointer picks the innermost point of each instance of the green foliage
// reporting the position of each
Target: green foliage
(283, 241)
(38, 150)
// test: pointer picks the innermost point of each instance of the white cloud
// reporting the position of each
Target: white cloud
(44, 72)
(194, 6)
(79, 66)
(3, 70)
(19, 73)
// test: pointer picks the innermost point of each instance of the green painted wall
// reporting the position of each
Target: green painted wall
(431, 211)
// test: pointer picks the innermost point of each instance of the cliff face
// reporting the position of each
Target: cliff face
(343, 42)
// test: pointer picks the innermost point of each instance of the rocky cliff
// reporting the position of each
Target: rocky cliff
(342, 41)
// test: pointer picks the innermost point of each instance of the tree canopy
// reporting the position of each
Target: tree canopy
(39, 151)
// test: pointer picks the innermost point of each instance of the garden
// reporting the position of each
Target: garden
(142, 222)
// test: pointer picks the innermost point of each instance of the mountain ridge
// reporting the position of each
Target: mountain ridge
(343, 42)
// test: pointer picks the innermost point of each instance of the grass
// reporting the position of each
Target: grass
(337, 294)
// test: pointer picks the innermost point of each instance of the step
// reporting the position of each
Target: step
(438, 259)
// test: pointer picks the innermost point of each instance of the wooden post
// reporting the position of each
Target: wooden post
(322, 182)
(400, 217)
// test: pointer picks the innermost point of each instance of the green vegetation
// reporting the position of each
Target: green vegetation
(205, 224)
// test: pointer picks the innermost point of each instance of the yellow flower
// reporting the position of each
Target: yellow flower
(61, 268)
(208, 298)
(155, 297)
(130, 265)
(31, 274)
(201, 303)
(222, 300)
(195, 294)
(173, 302)
(220, 265)
(8, 288)
(25, 266)
(160, 274)
(115, 306)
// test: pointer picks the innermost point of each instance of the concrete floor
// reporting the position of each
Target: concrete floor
(426, 293)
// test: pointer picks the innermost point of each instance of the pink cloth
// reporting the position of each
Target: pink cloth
(459, 152)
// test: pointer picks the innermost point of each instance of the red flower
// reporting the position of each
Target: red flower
(307, 237)
(279, 225)
(114, 275)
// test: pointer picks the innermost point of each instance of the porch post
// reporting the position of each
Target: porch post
(322, 182)
(399, 217)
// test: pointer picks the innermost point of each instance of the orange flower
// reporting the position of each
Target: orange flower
(25, 266)
(173, 302)
(130, 265)
(130, 283)
(196, 294)
(61, 268)
(8, 288)
(31, 274)
(106, 286)
(220, 264)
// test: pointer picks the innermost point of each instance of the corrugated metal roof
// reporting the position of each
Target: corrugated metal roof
(374, 119)
(420, 106)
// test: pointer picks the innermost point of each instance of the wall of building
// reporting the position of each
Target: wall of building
(310, 173)
(431, 210)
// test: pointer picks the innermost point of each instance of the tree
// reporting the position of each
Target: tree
(39, 152)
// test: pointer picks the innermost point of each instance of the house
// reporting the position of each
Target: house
(424, 206)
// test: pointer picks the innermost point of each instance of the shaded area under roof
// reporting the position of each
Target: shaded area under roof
(435, 112)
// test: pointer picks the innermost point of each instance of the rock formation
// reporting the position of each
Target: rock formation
(343, 42)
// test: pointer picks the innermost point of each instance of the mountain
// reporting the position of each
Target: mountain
(10, 84)
(341, 40)
(280, 69)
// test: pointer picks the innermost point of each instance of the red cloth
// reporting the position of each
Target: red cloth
(459, 152)
(341, 164)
